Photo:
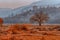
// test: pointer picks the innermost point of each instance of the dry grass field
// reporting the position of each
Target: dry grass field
(29, 32)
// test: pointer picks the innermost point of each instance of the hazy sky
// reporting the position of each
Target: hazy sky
(19, 3)
(15, 3)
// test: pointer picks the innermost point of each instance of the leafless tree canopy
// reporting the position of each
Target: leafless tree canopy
(39, 17)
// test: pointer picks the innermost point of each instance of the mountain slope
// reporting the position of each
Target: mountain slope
(24, 17)
(4, 12)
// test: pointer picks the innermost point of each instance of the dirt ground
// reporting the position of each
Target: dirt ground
(30, 32)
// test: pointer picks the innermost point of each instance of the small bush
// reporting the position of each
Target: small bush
(24, 28)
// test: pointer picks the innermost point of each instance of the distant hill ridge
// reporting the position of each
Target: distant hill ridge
(19, 15)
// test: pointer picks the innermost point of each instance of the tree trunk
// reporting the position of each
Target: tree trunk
(39, 23)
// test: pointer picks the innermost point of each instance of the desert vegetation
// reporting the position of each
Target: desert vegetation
(30, 32)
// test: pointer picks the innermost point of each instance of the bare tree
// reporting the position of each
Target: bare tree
(39, 17)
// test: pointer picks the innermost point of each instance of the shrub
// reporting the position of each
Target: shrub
(1, 22)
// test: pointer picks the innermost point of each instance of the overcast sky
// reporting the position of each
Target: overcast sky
(19, 3)
(15, 3)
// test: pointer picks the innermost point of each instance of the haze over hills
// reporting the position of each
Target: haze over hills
(4, 12)
(38, 3)
(21, 16)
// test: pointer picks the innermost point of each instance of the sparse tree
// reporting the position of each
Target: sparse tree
(1, 22)
(39, 17)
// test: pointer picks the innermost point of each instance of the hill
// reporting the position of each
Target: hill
(23, 16)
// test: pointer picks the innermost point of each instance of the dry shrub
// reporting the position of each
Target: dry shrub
(57, 28)
(1, 22)
(23, 27)
(50, 29)
(20, 27)
(14, 29)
